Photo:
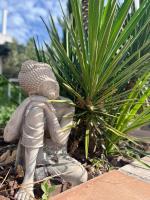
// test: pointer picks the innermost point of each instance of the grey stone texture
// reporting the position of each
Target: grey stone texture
(138, 169)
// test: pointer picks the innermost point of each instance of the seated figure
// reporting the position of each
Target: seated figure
(42, 129)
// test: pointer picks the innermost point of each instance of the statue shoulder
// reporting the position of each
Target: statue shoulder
(35, 109)
(12, 129)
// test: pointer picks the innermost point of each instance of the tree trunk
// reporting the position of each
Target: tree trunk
(85, 15)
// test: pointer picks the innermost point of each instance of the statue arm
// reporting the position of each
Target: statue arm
(60, 130)
(32, 140)
(66, 124)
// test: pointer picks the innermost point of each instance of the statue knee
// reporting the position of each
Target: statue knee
(81, 175)
(76, 175)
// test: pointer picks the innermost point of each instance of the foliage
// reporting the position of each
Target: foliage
(95, 67)
(5, 113)
(13, 56)
(4, 50)
(18, 53)
(47, 189)
(8, 104)
(145, 36)
(97, 162)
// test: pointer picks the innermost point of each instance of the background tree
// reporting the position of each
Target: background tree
(14, 54)
(18, 54)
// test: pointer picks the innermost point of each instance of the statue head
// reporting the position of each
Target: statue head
(37, 78)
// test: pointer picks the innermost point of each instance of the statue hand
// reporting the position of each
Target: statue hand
(51, 107)
(25, 194)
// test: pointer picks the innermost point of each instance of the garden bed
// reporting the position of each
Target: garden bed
(11, 179)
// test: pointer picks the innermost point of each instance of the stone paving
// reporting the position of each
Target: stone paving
(138, 170)
(143, 134)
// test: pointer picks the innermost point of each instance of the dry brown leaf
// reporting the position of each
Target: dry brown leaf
(4, 156)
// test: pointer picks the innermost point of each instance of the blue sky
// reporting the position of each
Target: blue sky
(24, 17)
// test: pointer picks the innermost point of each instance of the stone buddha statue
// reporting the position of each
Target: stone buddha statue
(42, 129)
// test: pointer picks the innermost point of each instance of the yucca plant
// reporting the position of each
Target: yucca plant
(94, 67)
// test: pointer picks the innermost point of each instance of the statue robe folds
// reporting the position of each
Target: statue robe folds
(39, 124)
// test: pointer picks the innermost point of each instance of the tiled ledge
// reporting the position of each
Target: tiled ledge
(111, 186)
(115, 185)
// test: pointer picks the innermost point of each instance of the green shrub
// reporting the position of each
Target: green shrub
(5, 113)
(47, 190)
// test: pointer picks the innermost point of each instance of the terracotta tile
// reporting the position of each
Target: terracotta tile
(111, 186)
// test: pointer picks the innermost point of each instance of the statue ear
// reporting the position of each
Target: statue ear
(49, 89)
